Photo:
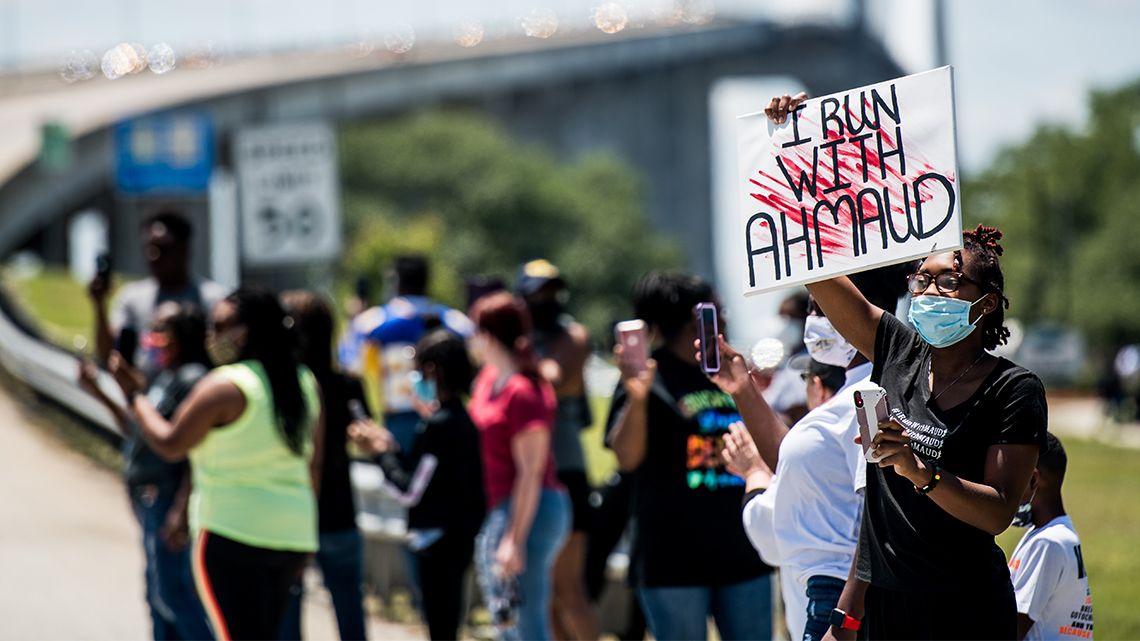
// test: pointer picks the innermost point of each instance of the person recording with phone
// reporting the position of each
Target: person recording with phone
(691, 558)
(341, 554)
(160, 489)
(965, 431)
(167, 236)
(252, 429)
(807, 520)
(440, 480)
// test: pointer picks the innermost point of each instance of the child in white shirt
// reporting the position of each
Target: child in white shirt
(1047, 567)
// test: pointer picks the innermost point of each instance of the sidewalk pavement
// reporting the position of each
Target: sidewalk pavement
(71, 566)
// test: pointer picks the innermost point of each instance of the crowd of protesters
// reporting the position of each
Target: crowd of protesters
(738, 486)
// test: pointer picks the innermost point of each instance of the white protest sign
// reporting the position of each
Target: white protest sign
(290, 198)
(851, 181)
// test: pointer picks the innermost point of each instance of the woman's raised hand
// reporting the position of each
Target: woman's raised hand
(780, 106)
(372, 438)
(733, 375)
(741, 456)
(637, 382)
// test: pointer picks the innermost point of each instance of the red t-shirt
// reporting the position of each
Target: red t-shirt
(520, 406)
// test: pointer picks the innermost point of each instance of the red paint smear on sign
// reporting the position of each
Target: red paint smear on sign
(836, 237)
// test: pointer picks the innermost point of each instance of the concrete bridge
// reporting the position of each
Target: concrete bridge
(644, 97)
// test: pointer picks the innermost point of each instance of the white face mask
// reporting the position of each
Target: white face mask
(825, 344)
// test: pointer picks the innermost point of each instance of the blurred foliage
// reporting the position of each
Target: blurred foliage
(458, 188)
(1069, 204)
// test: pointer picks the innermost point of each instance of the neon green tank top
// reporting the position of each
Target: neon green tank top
(248, 485)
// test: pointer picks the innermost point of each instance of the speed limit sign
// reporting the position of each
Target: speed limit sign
(290, 201)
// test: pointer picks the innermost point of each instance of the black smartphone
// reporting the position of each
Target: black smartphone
(128, 344)
(103, 266)
(356, 410)
(707, 331)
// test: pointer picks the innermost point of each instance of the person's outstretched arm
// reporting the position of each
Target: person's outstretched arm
(629, 437)
(851, 314)
(213, 401)
(761, 421)
(855, 318)
(89, 382)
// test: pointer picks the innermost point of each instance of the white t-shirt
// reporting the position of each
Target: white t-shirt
(1052, 587)
(807, 522)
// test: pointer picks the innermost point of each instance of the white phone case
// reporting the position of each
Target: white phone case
(870, 409)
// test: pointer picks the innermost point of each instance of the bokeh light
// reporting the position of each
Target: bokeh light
(468, 33)
(138, 59)
(362, 48)
(610, 17)
(697, 12)
(766, 353)
(79, 66)
(161, 58)
(539, 23)
(667, 14)
(120, 60)
(400, 39)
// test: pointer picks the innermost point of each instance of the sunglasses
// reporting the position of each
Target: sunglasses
(945, 282)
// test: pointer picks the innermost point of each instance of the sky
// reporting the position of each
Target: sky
(1017, 63)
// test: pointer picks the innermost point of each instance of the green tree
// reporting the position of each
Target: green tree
(456, 187)
(1069, 203)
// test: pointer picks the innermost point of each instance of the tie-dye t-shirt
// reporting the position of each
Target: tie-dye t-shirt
(686, 523)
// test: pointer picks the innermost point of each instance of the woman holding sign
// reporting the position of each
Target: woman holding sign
(958, 450)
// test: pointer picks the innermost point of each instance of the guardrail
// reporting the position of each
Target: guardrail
(49, 369)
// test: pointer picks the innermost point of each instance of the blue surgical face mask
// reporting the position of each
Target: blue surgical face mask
(942, 321)
(423, 388)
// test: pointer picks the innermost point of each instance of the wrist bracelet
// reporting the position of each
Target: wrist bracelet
(935, 477)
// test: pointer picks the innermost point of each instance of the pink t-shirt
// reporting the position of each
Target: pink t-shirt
(520, 406)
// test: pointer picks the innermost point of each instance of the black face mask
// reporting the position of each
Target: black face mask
(545, 313)
(1023, 517)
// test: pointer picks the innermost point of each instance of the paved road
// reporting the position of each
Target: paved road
(70, 563)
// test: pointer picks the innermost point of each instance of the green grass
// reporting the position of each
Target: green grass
(600, 461)
(1101, 490)
(1102, 487)
(57, 304)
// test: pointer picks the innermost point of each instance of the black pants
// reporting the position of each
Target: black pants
(982, 614)
(442, 569)
(245, 589)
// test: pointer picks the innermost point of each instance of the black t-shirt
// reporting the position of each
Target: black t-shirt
(453, 499)
(141, 466)
(908, 541)
(336, 509)
(686, 522)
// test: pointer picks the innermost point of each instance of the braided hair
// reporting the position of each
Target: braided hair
(983, 246)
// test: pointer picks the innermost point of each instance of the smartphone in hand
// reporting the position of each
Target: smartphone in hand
(127, 344)
(633, 336)
(708, 331)
(870, 410)
(356, 410)
(103, 266)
